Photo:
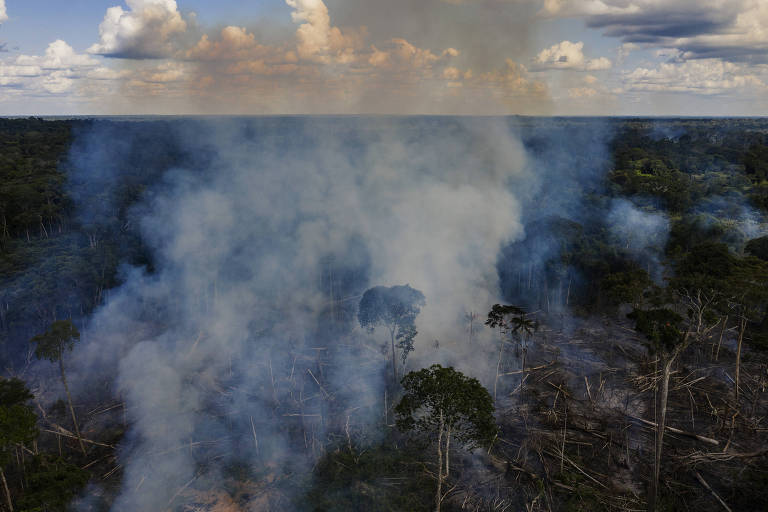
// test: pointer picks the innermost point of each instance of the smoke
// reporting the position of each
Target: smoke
(242, 345)
(733, 216)
(561, 203)
(643, 234)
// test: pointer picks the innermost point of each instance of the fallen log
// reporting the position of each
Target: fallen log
(717, 497)
(703, 439)
(63, 432)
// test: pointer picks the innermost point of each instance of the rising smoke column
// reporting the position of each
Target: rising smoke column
(202, 347)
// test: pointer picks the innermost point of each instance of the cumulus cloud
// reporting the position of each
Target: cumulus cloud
(143, 31)
(322, 68)
(55, 72)
(3, 12)
(701, 76)
(401, 53)
(233, 43)
(513, 80)
(568, 55)
(58, 55)
(317, 39)
(314, 33)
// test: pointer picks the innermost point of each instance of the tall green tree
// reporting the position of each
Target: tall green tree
(53, 484)
(445, 403)
(18, 425)
(59, 339)
(396, 309)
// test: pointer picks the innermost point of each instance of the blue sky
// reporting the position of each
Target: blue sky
(568, 57)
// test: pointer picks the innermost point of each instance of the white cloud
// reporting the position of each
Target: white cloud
(624, 51)
(568, 55)
(318, 40)
(314, 32)
(3, 12)
(58, 55)
(324, 69)
(144, 31)
(701, 76)
(599, 64)
(55, 72)
(233, 43)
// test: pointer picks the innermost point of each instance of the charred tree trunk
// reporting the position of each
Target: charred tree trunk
(71, 407)
(439, 495)
(664, 393)
(498, 368)
(7, 490)
(722, 333)
(742, 328)
(394, 357)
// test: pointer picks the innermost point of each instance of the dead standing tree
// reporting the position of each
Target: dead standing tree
(51, 345)
(662, 327)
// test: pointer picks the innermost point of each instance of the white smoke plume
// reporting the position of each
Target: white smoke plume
(642, 233)
(210, 348)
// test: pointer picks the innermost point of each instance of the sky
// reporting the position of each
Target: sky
(390, 57)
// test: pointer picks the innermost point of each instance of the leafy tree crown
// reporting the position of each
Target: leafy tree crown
(390, 306)
(59, 337)
(465, 405)
(18, 422)
(661, 327)
(510, 318)
(396, 308)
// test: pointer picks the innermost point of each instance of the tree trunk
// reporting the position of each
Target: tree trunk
(667, 370)
(447, 451)
(71, 407)
(498, 367)
(742, 328)
(720, 341)
(7, 491)
(522, 378)
(394, 358)
(439, 495)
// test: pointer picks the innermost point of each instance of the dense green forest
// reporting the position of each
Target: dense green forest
(663, 313)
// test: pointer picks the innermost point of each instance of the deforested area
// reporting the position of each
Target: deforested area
(384, 313)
